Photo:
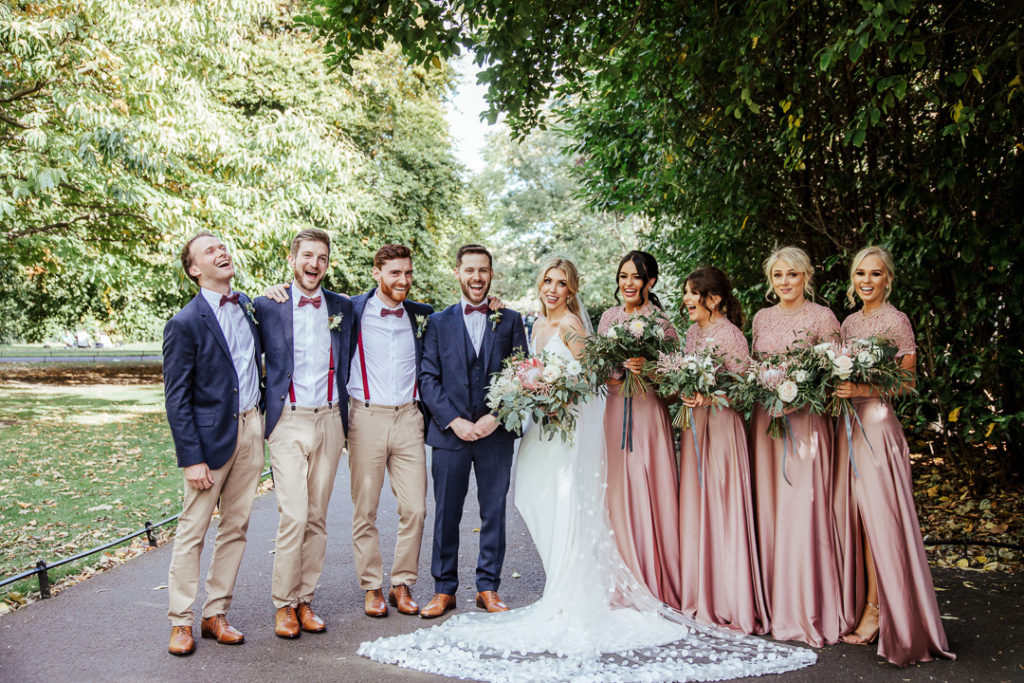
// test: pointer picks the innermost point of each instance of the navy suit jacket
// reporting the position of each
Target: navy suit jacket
(444, 375)
(201, 385)
(416, 313)
(277, 335)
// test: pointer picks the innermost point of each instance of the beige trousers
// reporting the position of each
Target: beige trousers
(305, 448)
(387, 438)
(234, 485)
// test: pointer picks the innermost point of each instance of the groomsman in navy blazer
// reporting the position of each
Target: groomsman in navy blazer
(306, 339)
(214, 406)
(462, 346)
(387, 429)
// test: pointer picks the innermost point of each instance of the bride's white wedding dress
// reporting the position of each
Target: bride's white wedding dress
(595, 621)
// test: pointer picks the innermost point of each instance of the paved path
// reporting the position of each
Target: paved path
(113, 627)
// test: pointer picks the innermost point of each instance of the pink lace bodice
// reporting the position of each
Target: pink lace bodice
(776, 330)
(725, 339)
(887, 322)
(617, 314)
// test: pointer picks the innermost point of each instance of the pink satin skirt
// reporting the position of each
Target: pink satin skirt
(721, 575)
(910, 624)
(811, 563)
(641, 494)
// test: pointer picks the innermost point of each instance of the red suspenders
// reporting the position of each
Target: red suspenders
(330, 383)
(366, 381)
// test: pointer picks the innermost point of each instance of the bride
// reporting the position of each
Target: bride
(595, 621)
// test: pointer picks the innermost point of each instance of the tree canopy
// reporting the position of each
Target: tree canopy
(829, 124)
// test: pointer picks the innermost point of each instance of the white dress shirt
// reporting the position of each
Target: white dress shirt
(236, 331)
(475, 324)
(311, 352)
(390, 349)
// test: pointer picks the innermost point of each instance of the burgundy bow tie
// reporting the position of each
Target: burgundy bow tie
(315, 300)
(229, 299)
(397, 312)
(482, 308)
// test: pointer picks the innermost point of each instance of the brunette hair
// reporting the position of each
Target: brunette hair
(572, 279)
(798, 259)
(473, 249)
(186, 253)
(390, 252)
(311, 235)
(647, 268)
(708, 281)
(890, 266)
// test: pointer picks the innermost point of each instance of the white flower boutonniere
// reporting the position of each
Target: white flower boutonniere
(421, 326)
(334, 322)
(495, 318)
(250, 312)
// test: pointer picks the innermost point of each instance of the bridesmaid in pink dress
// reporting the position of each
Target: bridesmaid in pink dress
(642, 482)
(721, 577)
(901, 609)
(811, 563)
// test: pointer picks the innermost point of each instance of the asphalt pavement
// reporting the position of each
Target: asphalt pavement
(114, 627)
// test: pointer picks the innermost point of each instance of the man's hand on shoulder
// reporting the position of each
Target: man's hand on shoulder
(464, 429)
(278, 293)
(198, 476)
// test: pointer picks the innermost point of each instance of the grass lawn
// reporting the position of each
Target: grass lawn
(80, 464)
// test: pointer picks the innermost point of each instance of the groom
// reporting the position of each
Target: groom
(462, 346)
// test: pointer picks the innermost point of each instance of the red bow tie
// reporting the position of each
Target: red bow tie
(309, 300)
(397, 312)
(482, 308)
(229, 299)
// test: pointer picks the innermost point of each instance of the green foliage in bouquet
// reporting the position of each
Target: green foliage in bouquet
(641, 336)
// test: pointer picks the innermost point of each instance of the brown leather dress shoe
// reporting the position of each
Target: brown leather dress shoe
(309, 621)
(219, 628)
(374, 605)
(400, 597)
(286, 622)
(182, 642)
(490, 601)
(438, 605)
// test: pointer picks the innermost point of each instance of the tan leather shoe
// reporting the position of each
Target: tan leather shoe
(400, 597)
(374, 605)
(309, 621)
(490, 601)
(182, 642)
(438, 605)
(286, 622)
(219, 628)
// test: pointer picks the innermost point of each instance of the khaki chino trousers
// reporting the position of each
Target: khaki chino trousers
(387, 438)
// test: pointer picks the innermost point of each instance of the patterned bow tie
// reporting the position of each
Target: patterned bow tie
(315, 300)
(482, 308)
(397, 312)
(229, 299)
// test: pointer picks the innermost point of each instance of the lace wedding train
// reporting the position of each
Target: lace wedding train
(595, 621)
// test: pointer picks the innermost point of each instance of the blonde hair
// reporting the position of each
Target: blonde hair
(798, 259)
(572, 280)
(890, 266)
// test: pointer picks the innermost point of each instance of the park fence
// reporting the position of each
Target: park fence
(42, 568)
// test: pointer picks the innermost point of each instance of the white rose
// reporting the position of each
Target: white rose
(842, 366)
(800, 376)
(551, 373)
(787, 391)
(865, 358)
(574, 368)
(709, 379)
(611, 333)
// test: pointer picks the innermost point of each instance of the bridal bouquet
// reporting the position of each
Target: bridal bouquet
(779, 383)
(641, 336)
(687, 374)
(865, 361)
(545, 387)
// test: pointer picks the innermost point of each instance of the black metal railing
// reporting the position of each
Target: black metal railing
(42, 568)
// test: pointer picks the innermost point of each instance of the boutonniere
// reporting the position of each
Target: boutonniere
(495, 318)
(250, 312)
(421, 326)
(334, 322)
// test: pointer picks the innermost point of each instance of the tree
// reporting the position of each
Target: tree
(830, 124)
